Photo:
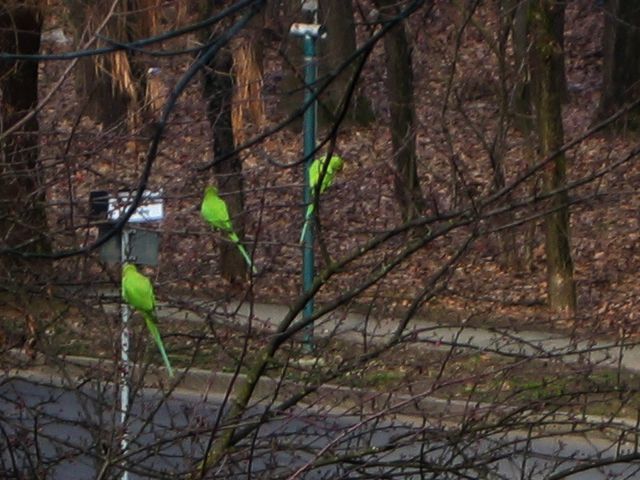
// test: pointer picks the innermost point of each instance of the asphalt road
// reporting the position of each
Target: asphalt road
(47, 431)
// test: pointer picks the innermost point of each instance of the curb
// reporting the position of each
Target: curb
(416, 410)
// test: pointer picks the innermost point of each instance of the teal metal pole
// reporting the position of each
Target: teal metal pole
(309, 126)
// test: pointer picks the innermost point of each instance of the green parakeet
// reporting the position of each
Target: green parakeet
(137, 291)
(214, 211)
(315, 170)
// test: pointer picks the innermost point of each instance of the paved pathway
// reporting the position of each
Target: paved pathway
(357, 327)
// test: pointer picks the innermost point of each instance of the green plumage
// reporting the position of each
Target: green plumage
(137, 291)
(317, 169)
(214, 211)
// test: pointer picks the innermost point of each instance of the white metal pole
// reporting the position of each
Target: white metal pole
(124, 358)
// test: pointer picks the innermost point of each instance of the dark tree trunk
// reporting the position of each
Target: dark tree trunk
(557, 23)
(336, 48)
(522, 89)
(291, 85)
(545, 74)
(621, 62)
(218, 93)
(403, 135)
(23, 221)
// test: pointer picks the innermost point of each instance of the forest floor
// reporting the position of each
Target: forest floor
(481, 290)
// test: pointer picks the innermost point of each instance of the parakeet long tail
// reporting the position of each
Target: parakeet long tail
(153, 329)
(234, 238)
(307, 220)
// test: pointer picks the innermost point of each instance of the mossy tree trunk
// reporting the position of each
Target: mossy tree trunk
(23, 221)
(621, 61)
(402, 109)
(545, 73)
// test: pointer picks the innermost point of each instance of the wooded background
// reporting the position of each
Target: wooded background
(491, 173)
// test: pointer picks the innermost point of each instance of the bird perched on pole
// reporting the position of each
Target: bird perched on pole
(318, 167)
(137, 291)
(215, 212)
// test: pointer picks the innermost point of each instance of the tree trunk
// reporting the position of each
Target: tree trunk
(403, 135)
(522, 89)
(218, 93)
(557, 23)
(621, 62)
(97, 96)
(545, 73)
(111, 87)
(248, 112)
(291, 85)
(516, 12)
(497, 147)
(522, 95)
(336, 48)
(23, 221)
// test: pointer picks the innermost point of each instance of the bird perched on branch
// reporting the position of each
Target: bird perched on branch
(215, 212)
(137, 291)
(317, 169)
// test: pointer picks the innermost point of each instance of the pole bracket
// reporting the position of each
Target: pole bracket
(314, 30)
